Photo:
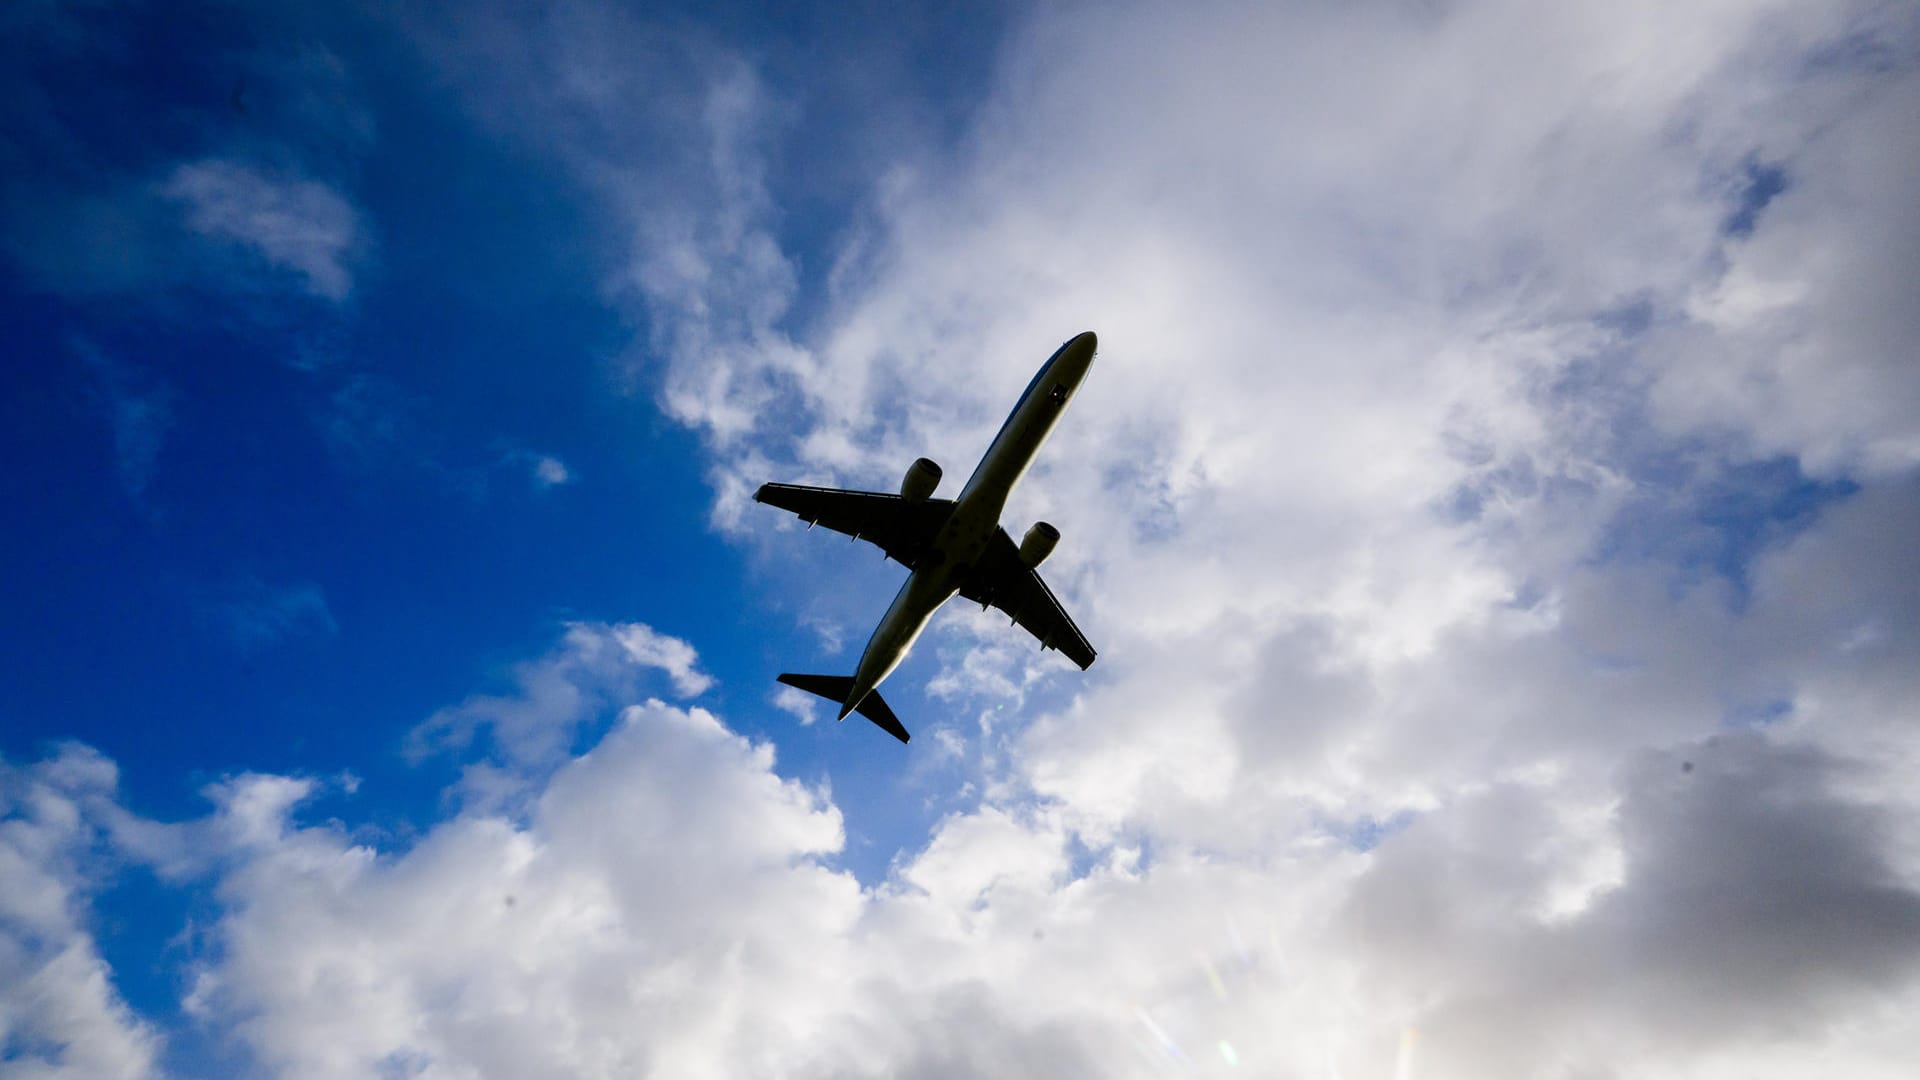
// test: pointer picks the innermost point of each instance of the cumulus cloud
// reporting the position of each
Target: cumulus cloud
(661, 890)
(60, 1012)
(664, 903)
(1799, 342)
(1449, 365)
(288, 222)
(1490, 510)
(1376, 384)
(1751, 902)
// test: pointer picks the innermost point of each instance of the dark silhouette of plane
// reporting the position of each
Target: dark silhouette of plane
(951, 545)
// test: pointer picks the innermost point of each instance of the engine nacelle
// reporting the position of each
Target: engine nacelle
(1038, 544)
(922, 477)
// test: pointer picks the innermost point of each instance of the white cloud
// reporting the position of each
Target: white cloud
(1425, 348)
(555, 697)
(290, 223)
(1801, 343)
(659, 912)
(670, 133)
(1408, 745)
(544, 471)
(550, 471)
(802, 705)
(83, 213)
(649, 648)
(1464, 707)
(662, 905)
(60, 1013)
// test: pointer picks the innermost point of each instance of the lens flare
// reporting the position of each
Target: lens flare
(1160, 1036)
(1213, 976)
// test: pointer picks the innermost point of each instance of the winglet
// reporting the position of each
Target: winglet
(835, 689)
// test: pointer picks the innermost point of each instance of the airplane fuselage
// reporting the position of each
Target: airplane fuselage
(976, 514)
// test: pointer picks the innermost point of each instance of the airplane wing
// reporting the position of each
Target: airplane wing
(900, 528)
(1005, 582)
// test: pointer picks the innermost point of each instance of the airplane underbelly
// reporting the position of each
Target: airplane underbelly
(963, 539)
(901, 626)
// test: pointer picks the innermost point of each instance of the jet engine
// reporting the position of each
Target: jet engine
(1038, 544)
(922, 477)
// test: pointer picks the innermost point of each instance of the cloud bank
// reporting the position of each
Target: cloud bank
(1491, 503)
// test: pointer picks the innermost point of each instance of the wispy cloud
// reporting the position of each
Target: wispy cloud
(257, 615)
(140, 410)
(289, 222)
(595, 668)
(544, 471)
(550, 471)
(671, 136)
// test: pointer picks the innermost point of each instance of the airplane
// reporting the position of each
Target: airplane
(951, 546)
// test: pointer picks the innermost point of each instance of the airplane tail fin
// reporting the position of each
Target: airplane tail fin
(835, 688)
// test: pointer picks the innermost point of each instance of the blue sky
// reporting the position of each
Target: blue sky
(1492, 506)
(220, 445)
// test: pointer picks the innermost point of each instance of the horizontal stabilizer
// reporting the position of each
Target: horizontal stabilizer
(835, 688)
